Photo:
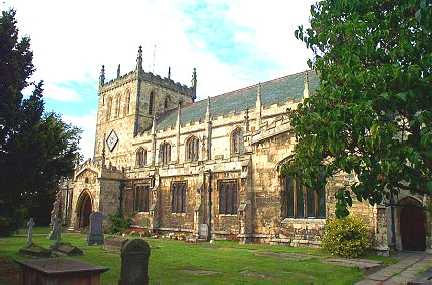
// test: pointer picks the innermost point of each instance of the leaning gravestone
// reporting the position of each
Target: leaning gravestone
(95, 234)
(135, 256)
(55, 233)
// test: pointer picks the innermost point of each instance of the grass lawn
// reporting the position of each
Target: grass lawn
(174, 262)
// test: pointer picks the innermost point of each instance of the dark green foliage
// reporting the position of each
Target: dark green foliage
(119, 223)
(37, 149)
(372, 114)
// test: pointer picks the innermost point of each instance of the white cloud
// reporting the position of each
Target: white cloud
(87, 124)
(58, 93)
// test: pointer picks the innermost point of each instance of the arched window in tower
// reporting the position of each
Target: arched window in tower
(140, 157)
(117, 106)
(126, 103)
(108, 109)
(166, 103)
(165, 153)
(237, 144)
(192, 149)
(151, 102)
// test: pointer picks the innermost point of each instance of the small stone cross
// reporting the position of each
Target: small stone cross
(30, 225)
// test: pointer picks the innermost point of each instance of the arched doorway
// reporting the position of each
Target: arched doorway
(84, 209)
(412, 224)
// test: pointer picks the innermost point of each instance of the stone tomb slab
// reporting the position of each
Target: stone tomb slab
(66, 249)
(363, 264)
(286, 256)
(35, 251)
(114, 243)
(199, 272)
(57, 271)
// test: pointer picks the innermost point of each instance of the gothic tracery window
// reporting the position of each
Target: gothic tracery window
(117, 107)
(141, 157)
(228, 193)
(109, 107)
(141, 198)
(126, 103)
(151, 102)
(192, 149)
(298, 201)
(237, 142)
(165, 153)
(178, 197)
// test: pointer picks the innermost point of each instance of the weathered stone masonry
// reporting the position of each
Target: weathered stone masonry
(144, 126)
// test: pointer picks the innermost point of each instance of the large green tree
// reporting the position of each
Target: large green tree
(37, 149)
(372, 114)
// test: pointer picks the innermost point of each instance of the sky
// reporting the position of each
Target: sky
(232, 43)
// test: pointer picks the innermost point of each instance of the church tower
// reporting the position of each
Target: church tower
(127, 105)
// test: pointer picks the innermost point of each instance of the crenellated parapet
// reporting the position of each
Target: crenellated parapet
(150, 77)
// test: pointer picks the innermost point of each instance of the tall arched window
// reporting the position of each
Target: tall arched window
(117, 106)
(237, 146)
(298, 201)
(192, 149)
(165, 153)
(151, 102)
(166, 103)
(108, 109)
(140, 157)
(126, 103)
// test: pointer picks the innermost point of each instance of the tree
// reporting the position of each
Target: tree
(37, 149)
(371, 117)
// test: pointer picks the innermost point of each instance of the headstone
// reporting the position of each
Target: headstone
(95, 234)
(30, 225)
(55, 234)
(135, 256)
(203, 231)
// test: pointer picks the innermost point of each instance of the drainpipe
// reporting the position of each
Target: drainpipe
(120, 207)
(209, 190)
(392, 224)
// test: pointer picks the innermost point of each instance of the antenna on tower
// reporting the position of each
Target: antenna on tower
(154, 57)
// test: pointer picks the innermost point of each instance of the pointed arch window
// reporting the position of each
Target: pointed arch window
(299, 201)
(151, 102)
(237, 144)
(141, 157)
(126, 103)
(109, 107)
(117, 106)
(192, 149)
(165, 153)
(166, 103)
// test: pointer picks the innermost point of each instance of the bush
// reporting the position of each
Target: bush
(119, 223)
(5, 227)
(347, 237)
(15, 220)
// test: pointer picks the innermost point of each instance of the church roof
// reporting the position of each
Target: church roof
(276, 91)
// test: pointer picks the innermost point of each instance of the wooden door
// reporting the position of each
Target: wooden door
(412, 226)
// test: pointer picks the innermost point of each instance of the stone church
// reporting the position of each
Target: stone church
(209, 169)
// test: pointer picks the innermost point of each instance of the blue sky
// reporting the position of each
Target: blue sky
(231, 43)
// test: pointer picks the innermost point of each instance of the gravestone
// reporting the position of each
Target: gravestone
(203, 231)
(95, 234)
(55, 234)
(135, 256)
(30, 225)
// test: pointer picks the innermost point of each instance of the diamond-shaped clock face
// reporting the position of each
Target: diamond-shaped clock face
(112, 140)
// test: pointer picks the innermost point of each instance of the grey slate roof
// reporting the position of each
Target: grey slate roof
(275, 91)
